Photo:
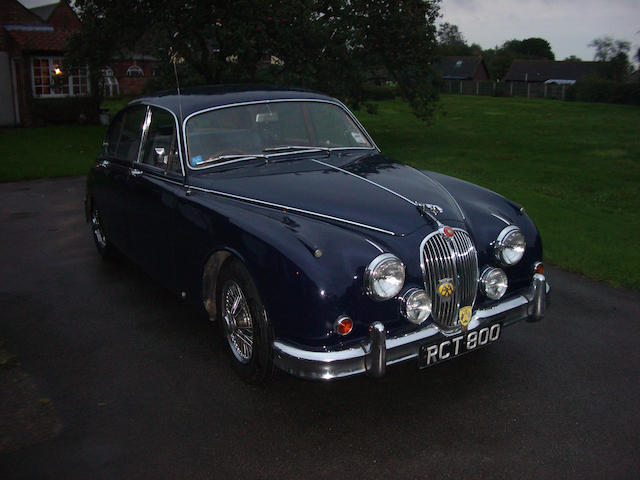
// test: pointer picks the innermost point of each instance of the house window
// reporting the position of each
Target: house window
(50, 80)
(110, 87)
(134, 71)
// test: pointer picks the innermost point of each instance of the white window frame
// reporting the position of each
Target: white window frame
(135, 68)
(51, 61)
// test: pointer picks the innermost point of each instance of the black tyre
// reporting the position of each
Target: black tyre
(106, 250)
(244, 323)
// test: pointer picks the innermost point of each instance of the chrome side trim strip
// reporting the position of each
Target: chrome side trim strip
(292, 209)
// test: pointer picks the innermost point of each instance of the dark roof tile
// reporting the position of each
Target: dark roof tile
(41, 40)
(458, 68)
(543, 70)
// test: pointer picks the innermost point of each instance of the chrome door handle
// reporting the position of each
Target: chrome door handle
(134, 172)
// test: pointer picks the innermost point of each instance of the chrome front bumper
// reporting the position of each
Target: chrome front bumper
(379, 351)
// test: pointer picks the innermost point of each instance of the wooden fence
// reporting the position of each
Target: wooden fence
(508, 89)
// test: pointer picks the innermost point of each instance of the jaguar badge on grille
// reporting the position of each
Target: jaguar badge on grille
(445, 288)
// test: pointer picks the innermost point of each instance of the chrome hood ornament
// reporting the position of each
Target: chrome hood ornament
(426, 208)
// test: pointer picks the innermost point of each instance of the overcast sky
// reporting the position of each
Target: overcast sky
(568, 25)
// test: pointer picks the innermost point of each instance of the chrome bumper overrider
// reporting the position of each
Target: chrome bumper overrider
(379, 351)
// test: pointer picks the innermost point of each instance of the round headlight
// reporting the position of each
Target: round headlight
(510, 245)
(384, 277)
(416, 305)
(493, 283)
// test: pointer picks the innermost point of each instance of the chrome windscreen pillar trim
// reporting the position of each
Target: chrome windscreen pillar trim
(539, 301)
(376, 359)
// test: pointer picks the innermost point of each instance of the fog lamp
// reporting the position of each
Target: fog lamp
(416, 305)
(494, 283)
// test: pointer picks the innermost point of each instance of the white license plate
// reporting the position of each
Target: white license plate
(456, 346)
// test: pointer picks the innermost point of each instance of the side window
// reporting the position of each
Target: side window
(129, 143)
(160, 147)
(113, 135)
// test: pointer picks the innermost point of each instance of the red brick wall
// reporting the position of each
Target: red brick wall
(63, 17)
(132, 85)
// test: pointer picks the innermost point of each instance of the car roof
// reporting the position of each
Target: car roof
(194, 99)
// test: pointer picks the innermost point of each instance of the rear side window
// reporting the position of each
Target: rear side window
(113, 136)
(124, 133)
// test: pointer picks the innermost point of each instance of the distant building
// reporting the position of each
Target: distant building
(462, 68)
(547, 71)
(34, 88)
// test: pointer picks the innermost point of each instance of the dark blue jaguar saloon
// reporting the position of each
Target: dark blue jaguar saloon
(274, 210)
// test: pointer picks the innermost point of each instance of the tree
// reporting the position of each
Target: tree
(614, 57)
(499, 59)
(572, 58)
(607, 48)
(329, 45)
(451, 42)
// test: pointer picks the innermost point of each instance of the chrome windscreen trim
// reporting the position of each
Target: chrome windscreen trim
(280, 100)
(291, 209)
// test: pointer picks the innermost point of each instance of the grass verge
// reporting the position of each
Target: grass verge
(574, 166)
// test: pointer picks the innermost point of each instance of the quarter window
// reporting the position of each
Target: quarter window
(124, 133)
(160, 147)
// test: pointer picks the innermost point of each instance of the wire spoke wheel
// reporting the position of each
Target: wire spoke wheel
(238, 323)
(98, 233)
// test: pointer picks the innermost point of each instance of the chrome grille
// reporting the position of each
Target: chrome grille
(452, 259)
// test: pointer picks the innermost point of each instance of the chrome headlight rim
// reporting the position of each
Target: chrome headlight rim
(485, 278)
(503, 244)
(407, 298)
(370, 272)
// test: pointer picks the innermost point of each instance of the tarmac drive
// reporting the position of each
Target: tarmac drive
(143, 389)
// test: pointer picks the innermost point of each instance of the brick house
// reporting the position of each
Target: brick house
(34, 89)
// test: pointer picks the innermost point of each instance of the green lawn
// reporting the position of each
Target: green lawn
(574, 166)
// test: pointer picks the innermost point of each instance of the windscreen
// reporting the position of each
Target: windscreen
(260, 128)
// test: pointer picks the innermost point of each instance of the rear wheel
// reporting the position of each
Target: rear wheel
(105, 248)
(244, 323)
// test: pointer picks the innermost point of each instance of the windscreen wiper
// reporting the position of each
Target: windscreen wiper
(226, 159)
(305, 148)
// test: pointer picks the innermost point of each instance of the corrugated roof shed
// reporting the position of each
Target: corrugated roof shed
(543, 70)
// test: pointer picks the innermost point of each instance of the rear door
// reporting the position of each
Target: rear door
(112, 174)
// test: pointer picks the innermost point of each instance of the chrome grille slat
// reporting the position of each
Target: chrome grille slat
(455, 258)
